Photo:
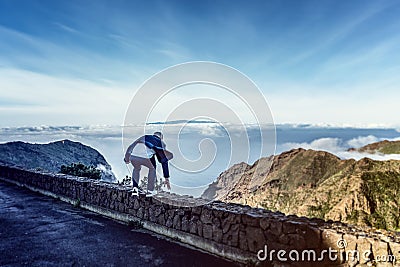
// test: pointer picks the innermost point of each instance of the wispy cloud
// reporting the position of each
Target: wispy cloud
(125, 41)
(65, 27)
(175, 55)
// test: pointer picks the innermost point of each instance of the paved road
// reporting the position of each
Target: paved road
(36, 230)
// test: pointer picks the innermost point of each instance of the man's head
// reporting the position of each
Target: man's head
(159, 134)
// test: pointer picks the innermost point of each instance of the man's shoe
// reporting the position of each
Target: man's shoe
(150, 193)
(135, 191)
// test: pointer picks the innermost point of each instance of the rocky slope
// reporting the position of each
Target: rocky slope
(317, 184)
(51, 156)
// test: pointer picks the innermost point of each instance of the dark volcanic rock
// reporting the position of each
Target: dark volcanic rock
(51, 156)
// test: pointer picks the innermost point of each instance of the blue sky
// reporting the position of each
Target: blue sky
(79, 62)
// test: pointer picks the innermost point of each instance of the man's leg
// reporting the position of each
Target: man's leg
(151, 178)
(136, 171)
(137, 163)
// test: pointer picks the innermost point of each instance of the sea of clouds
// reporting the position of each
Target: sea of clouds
(208, 143)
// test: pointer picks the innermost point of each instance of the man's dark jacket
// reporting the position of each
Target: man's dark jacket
(154, 142)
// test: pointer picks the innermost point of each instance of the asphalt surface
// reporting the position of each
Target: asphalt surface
(36, 230)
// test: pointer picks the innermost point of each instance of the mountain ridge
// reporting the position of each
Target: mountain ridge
(382, 147)
(317, 184)
(52, 155)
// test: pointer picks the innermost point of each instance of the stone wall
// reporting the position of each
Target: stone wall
(240, 233)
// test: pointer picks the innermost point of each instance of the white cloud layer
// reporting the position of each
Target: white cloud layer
(340, 148)
(362, 141)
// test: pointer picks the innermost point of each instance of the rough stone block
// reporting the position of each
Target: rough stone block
(146, 214)
(193, 224)
(170, 213)
(330, 238)
(136, 204)
(140, 213)
(290, 227)
(284, 239)
(264, 223)
(206, 216)
(230, 218)
(395, 251)
(226, 227)
(251, 219)
(216, 222)
(216, 234)
(177, 222)
(169, 222)
(120, 196)
(364, 249)
(196, 210)
(109, 192)
(255, 238)
(243, 241)
(185, 224)
(296, 241)
(132, 212)
(192, 227)
(161, 220)
(276, 228)
(231, 238)
(273, 233)
(313, 237)
(381, 252)
(207, 231)
(121, 207)
(199, 228)
(154, 212)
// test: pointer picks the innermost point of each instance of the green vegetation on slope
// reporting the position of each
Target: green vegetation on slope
(391, 148)
(384, 147)
(382, 190)
(81, 170)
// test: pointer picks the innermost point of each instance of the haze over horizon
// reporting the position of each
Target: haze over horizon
(317, 62)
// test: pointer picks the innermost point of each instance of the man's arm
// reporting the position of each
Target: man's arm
(166, 174)
(165, 169)
(131, 147)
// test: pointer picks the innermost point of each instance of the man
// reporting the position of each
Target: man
(142, 152)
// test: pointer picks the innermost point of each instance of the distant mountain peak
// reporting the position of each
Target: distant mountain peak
(383, 147)
(51, 156)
